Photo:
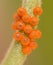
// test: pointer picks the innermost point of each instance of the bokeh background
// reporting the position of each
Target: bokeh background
(44, 54)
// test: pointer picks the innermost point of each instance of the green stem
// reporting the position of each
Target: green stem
(14, 55)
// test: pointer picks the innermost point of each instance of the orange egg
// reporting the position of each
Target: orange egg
(21, 11)
(26, 18)
(27, 50)
(20, 25)
(17, 36)
(34, 21)
(37, 10)
(33, 45)
(14, 27)
(16, 17)
(32, 35)
(25, 40)
(38, 34)
(27, 28)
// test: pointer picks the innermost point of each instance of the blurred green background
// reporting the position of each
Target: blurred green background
(44, 54)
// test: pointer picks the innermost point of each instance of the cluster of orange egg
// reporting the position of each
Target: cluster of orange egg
(24, 25)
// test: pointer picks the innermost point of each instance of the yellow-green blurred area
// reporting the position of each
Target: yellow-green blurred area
(44, 54)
